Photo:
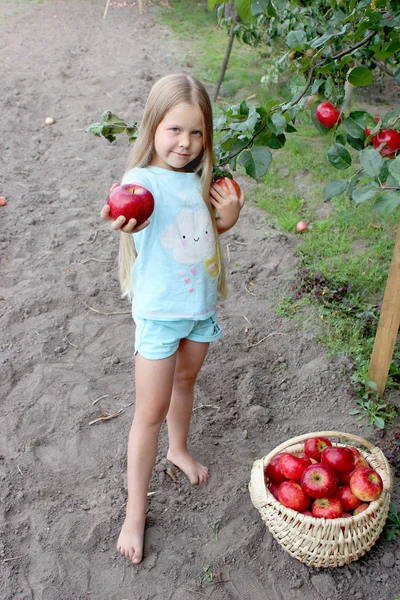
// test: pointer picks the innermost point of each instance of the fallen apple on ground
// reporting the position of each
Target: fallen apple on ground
(132, 201)
(301, 226)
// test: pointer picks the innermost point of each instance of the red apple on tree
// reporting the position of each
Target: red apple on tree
(327, 508)
(391, 140)
(339, 458)
(132, 201)
(222, 182)
(272, 470)
(366, 484)
(327, 114)
(319, 481)
(347, 498)
(292, 495)
(292, 467)
(313, 447)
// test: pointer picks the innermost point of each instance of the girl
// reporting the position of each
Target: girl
(172, 269)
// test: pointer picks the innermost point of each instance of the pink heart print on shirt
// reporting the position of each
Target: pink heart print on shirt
(193, 271)
(191, 290)
(187, 280)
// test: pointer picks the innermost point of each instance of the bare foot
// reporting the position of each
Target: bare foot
(194, 471)
(130, 541)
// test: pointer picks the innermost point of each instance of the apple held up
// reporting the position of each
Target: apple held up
(221, 181)
(132, 201)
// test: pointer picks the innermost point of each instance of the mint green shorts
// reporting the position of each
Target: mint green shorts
(155, 340)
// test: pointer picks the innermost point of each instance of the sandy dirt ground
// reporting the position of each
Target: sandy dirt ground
(67, 350)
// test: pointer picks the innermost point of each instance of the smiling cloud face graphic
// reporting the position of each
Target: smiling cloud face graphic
(191, 238)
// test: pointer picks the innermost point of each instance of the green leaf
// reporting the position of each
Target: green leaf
(296, 39)
(258, 6)
(362, 194)
(394, 168)
(277, 123)
(353, 129)
(371, 161)
(387, 202)
(339, 157)
(360, 76)
(297, 84)
(243, 9)
(335, 188)
(355, 143)
(372, 385)
(256, 161)
(380, 423)
(213, 3)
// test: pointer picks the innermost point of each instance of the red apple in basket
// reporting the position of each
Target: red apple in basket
(292, 467)
(272, 470)
(292, 495)
(327, 508)
(366, 484)
(338, 458)
(313, 447)
(319, 481)
(274, 488)
(360, 463)
(347, 498)
(131, 200)
(361, 508)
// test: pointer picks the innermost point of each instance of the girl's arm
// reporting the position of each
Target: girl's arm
(227, 204)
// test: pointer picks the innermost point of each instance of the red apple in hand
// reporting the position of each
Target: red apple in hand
(292, 467)
(313, 447)
(347, 498)
(272, 471)
(319, 481)
(327, 508)
(222, 182)
(131, 200)
(339, 458)
(366, 484)
(292, 495)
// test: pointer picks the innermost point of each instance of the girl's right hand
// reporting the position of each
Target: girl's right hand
(119, 224)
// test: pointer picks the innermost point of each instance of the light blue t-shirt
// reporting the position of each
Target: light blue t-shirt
(175, 274)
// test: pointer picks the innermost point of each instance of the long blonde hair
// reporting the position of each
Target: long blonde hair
(165, 94)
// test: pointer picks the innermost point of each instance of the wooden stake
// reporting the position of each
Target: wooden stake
(140, 6)
(388, 326)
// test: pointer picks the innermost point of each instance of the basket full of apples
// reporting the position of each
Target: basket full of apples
(324, 496)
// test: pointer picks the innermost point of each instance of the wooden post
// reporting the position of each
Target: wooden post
(389, 322)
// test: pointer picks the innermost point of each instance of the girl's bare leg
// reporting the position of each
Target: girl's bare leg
(190, 357)
(154, 380)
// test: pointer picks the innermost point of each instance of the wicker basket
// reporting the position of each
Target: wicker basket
(323, 542)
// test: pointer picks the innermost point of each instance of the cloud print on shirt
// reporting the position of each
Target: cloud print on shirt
(191, 238)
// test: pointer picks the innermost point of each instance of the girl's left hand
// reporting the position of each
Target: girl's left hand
(227, 203)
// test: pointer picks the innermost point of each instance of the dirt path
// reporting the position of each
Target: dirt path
(62, 364)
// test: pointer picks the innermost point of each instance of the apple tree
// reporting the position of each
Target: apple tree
(326, 46)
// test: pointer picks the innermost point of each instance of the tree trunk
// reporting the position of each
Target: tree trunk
(229, 12)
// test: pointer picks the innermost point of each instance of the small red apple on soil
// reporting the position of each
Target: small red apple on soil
(292, 495)
(319, 481)
(3, 201)
(366, 484)
(222, 182)
(313, 447)
(339, 458)
(301, 226)
(390, 138)
(327, 114)
(327, 508)
(132, 201)
(347, 498)
(360, 508)
(272, 470)
(292, 467)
